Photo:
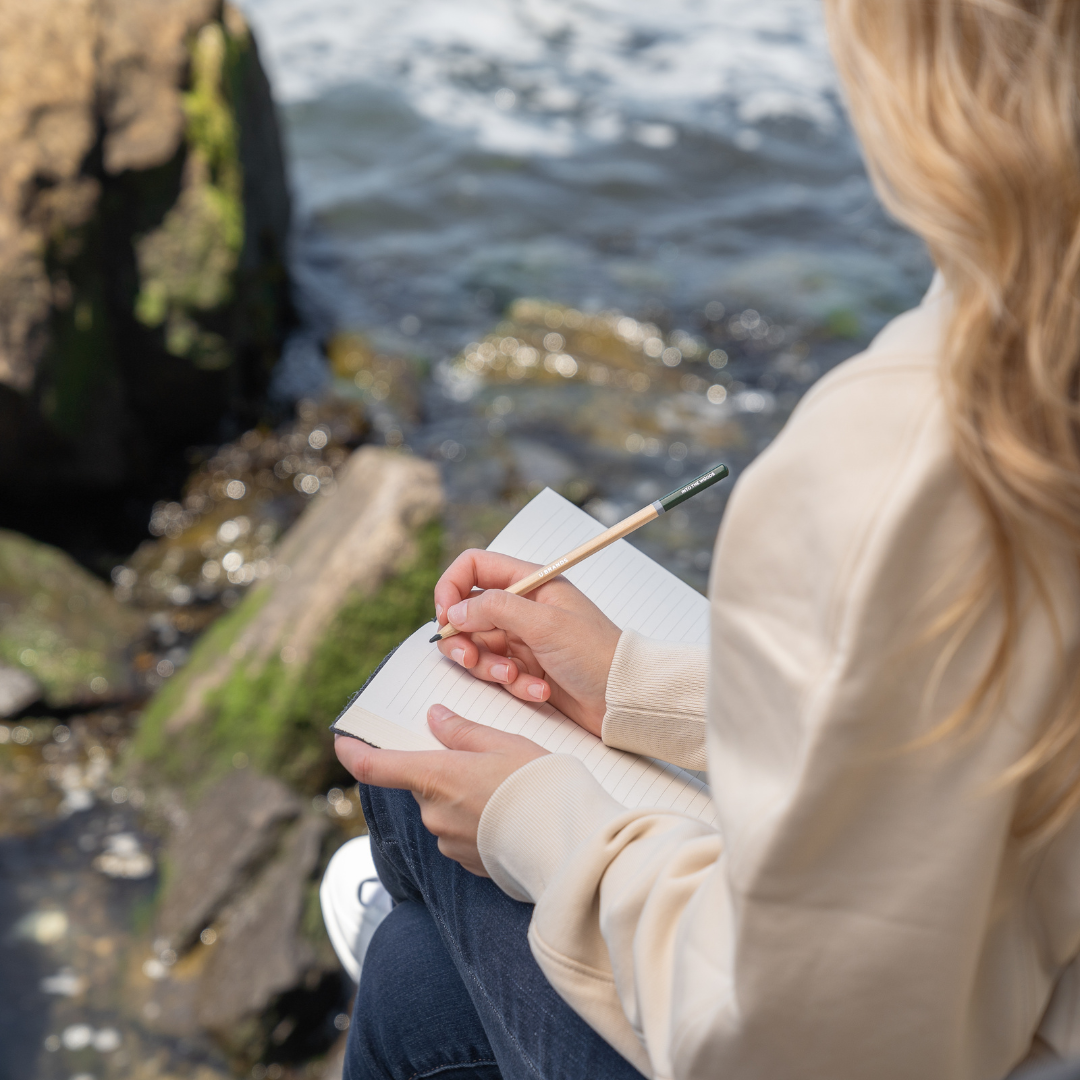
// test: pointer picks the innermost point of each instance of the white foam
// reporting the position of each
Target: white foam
(582, 71)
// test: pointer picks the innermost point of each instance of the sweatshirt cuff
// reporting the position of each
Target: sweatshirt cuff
(656, 700)
(536, 819)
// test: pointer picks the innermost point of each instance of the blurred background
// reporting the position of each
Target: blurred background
(297, 301)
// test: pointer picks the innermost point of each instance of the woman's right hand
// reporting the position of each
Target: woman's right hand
(554, 645)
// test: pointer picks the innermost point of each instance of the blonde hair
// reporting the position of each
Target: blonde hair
(969, 115)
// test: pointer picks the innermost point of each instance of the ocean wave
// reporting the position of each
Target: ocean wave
(552, 77)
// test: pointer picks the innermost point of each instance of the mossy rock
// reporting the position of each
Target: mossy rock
(151, 299)
(268, 679)
(279, 717)
(62, 625)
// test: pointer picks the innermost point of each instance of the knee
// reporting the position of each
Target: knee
(387, 812)
(413, 1014)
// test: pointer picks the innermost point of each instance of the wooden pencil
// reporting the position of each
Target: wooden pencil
(598, 543)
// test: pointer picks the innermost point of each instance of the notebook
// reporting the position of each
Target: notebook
(635, 592)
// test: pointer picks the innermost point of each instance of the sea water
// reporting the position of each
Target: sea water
(449, 155)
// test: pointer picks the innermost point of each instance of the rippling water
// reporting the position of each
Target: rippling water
(448, 155)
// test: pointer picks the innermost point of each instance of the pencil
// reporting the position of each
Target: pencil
(598, 543)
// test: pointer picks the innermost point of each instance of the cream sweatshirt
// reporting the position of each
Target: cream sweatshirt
(863, 909)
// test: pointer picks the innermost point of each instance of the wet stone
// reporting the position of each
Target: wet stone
(234, 828)
(260, 953)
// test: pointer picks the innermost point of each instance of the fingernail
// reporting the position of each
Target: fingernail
(537, 690)
(459, 612)
(458, 656)
(439, 712)
(501, 672)
(438, 612)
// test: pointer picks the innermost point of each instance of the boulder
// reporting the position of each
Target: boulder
(245, 725)
(225, 840)
(354, 576)
(260, 952)
(143, 223)
(61, 628)
(247, 957)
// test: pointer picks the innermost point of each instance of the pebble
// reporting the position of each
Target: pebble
(107, 1040)
(77, 1036)
(64, 984)
(154, 969)
(42, 927)
(124, 858)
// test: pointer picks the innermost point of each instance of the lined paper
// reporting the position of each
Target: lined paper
(632, 590)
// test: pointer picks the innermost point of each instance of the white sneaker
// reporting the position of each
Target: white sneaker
(353, 902)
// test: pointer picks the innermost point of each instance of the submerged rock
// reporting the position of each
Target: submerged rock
(61, 626)
(143, 219)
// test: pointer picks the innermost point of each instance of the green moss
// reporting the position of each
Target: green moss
(188, 264)
(60, 623)
(365, 630)
(151, 743)
(280, 716)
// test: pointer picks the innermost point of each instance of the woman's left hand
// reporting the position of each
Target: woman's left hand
(452, 786)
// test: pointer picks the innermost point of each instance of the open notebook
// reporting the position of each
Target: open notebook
(632, 590)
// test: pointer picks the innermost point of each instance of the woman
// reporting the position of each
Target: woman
(892, 714)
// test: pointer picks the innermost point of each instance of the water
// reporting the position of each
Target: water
(447, 157)
(663, 162)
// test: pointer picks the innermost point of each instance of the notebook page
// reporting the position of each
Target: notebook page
(632, 590)
(392, 713)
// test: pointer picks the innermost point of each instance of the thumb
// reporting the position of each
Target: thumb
(457, 733)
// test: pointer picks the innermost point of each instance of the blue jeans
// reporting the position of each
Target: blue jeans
(449, 987)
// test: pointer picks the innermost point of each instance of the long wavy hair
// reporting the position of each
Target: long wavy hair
(969, 116)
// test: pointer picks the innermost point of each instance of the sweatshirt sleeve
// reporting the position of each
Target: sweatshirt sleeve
(856, 912)
(656, 700)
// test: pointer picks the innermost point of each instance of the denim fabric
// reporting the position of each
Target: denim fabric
(449, 986)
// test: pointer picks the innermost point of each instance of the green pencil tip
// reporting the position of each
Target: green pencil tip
(699, 483)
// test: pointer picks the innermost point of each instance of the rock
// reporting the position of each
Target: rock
(18, 688)
(143, 221)
(62, 626)
(260, 952)
(354, 577)
(239, 905)
(349, 543)
(228, 835)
